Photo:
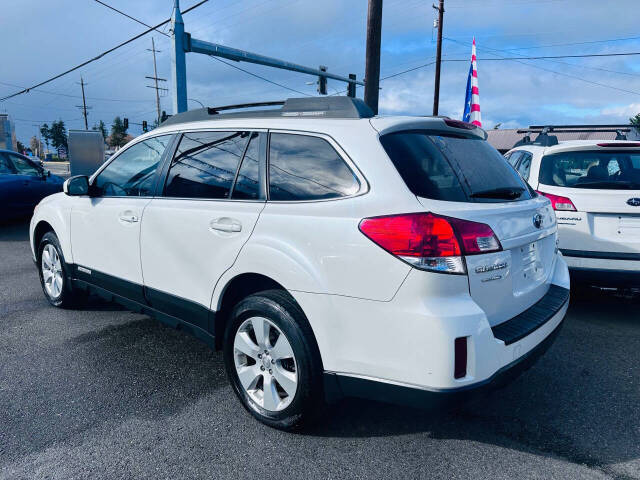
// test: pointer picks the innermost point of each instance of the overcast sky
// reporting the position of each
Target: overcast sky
(42, 38)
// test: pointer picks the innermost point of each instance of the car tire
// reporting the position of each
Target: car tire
(54, 274)
(269, 376)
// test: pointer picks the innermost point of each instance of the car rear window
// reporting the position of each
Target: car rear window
(453, 167)
(613, 170)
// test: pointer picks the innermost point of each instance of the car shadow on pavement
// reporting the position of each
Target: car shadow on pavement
(579, 402)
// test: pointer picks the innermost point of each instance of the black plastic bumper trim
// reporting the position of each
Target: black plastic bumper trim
(600, 255)
(532, 318)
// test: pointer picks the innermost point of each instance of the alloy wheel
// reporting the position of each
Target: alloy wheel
(265, 364)
(52, 275)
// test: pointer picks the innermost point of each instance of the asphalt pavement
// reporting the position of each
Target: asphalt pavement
(105, 393)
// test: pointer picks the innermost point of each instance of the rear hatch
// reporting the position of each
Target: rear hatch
(604, 184)
(455, 174)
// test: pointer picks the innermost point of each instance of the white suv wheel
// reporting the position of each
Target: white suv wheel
(52, 276)
(265, 364)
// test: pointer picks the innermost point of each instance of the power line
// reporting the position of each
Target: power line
(48, 92)
(134, 19)
(97, 57)
(215, 58)
(589, 42)
(259, 76)
(519, 60)
(542, 57)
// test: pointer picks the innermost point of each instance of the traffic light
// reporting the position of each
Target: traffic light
(351, 88)
(126, 123)
(144, 125)
(322, 81)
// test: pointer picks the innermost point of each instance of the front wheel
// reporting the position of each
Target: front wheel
(53, 273)
(272, 360)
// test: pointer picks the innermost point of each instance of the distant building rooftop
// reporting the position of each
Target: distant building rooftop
(504, 140)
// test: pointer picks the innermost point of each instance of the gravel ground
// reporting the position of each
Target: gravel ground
(104, 393)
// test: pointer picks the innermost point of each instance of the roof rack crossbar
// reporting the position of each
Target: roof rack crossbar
(314, 107)
(215, 110)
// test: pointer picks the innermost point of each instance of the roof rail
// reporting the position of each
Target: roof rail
(546, 140)
(313, 107)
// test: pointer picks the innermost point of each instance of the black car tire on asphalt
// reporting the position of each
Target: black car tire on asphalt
(68, 296)
(281, 309)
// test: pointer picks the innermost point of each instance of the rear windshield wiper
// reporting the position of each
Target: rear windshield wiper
(621, 184)
(509, 193)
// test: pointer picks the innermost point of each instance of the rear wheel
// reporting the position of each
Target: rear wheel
(272, 360)
(53, 273)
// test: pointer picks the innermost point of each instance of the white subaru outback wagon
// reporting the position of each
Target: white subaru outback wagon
(594, 187)
(328, 252)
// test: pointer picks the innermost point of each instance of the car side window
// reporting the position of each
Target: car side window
(24, 166)
(514, 157)
(6, 167)
(303, 167)
(524, 168)
(132, 173)
(247, 186)
(205, 165)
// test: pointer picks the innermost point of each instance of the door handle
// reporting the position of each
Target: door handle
(225, 225)
(128, 217)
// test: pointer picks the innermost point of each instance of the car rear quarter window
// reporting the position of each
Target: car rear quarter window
(303, 167)
(455, 168)
(205, 165)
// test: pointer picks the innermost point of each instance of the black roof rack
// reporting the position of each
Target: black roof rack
(313, 107)
(546, 140)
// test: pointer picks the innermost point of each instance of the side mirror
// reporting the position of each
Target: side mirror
(78, 185)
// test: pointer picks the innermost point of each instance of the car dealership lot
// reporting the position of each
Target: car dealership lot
(104, 393)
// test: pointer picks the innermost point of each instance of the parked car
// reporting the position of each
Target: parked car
(328, 252)
(594, 187)
(23, 183)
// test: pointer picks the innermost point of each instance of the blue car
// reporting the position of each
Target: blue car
(23, 183)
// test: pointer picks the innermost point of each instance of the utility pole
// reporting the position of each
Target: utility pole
(178, 62)
(155, 78)
(372, 68)
(84, 107)
(436, 91)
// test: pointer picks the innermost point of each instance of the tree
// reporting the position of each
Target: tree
(45, 131)
(102, 128)
(58, 134)
(118, 133)
(20, 146)
(36, 146)
(635, 120)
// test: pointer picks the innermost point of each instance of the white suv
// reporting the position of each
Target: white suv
(594, 186)
(328, 252)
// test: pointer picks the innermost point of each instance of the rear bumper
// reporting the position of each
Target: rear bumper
(607, 269)
(410, 341)
(340, 385)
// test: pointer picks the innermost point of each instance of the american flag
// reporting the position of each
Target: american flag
(472, 99)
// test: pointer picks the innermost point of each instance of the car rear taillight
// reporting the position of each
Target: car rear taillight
(558, 202)
(430, 242)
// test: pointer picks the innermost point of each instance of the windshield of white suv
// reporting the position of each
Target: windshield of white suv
(456, 168)
(613, 170)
